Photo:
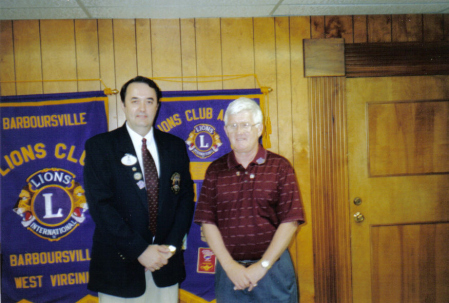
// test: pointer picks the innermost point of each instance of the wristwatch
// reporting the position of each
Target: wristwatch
(172, 249)
(265, 264)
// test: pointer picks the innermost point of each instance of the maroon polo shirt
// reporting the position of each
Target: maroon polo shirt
(247, 205)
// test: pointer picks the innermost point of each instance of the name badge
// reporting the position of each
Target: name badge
(129, 160)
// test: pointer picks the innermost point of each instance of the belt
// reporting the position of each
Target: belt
(247, 263)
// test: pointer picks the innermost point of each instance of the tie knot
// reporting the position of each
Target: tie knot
(144, 142)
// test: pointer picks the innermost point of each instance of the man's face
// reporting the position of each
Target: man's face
(243, 140)
(140, 107)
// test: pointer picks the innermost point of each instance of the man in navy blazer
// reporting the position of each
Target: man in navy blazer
(127, 260)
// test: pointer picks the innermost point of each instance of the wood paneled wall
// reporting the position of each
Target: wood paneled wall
(329, 177)
(116, 50)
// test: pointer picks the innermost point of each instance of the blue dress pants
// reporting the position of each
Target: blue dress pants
(277, 286)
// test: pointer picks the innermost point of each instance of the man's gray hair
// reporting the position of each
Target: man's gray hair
(244, 104)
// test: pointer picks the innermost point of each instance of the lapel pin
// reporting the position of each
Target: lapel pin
(141, 184)
(137, 176)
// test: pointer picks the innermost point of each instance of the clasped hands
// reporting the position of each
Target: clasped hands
(155, 257)
(245, 277)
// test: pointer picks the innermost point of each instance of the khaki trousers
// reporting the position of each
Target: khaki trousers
(153, 294)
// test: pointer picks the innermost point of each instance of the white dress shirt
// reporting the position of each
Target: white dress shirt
(151, 145)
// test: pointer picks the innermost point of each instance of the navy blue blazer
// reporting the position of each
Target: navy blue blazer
(118, 205)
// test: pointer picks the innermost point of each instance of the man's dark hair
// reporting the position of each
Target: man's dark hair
(141, 79)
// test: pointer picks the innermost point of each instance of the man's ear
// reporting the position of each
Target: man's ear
(260, 129)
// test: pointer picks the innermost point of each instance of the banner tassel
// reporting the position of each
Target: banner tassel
(266, 141)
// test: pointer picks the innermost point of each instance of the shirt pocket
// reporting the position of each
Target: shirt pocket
(266, 199)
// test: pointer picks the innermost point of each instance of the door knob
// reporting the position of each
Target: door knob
(358, 217)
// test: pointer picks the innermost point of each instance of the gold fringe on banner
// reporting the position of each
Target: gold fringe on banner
(263, 105)
(107, 90)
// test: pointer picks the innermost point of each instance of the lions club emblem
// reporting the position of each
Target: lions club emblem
(176, 181)
(51, 204)
(203, 141)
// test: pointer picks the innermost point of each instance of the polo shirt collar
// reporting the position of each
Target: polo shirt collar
(259, 159)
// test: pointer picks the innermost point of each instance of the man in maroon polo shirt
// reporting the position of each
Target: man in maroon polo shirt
(249, 209)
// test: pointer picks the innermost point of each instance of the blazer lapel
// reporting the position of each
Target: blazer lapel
(164, 157)
(164, 165)
(133, 172)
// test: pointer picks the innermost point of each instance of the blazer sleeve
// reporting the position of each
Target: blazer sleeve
(99, 181)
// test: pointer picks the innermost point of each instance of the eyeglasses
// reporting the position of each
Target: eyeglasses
(245, 126)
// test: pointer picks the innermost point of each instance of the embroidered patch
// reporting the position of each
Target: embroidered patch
(175, 183)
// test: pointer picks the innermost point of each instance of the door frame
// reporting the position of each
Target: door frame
(328, 147)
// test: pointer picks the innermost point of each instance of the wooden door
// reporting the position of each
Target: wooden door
(398, 144)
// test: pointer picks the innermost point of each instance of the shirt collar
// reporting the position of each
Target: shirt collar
(259, 159)
(137, 139)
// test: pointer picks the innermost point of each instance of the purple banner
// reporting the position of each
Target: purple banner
(197, 118)
(46, 230)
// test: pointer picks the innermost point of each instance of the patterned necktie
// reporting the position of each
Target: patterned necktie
(152, 184)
